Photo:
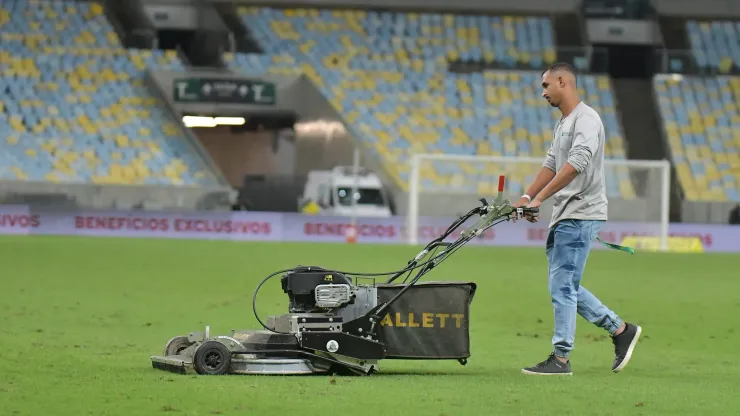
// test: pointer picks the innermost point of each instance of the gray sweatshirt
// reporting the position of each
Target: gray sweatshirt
(579, 140)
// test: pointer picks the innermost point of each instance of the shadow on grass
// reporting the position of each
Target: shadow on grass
(427, 372)
(169, 376)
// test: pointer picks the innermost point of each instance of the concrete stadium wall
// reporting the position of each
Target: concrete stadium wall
(706, 212)
(531, 6)
(693, 8)
(133, 197)
(698, 8)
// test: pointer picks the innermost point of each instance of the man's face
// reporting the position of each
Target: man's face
(552, 88)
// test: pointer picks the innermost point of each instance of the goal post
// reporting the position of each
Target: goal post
(447, 185)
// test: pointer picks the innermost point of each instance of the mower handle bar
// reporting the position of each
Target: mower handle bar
(490, 215)
(439, 241)
(482, 211)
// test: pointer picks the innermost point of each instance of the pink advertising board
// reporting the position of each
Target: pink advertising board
(264, 226)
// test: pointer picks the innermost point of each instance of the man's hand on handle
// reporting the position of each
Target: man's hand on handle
(543, 179)
(526, 203)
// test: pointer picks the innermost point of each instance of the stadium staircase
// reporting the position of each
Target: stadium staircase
(641, 122)
(640, 118)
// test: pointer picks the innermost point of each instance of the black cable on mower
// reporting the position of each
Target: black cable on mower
(254, 301)
(256, 291)
(432, 254)
(254, 296)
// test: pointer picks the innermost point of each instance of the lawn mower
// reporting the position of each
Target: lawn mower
(340, 326)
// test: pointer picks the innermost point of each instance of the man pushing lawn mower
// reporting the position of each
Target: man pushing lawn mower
(573, 175)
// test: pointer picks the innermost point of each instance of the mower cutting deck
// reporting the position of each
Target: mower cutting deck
(234, 354)
(335, 325)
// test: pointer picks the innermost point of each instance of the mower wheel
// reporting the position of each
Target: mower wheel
(212, 358)
(176, 345)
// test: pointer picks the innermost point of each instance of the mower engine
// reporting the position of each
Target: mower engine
(314, 290)
(320, 300)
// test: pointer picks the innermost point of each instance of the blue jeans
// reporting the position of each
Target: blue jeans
(567, 248)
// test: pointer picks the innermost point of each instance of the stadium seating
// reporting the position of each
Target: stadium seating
(386, 73)
(74, 107)
(702, 125)
(715, 45)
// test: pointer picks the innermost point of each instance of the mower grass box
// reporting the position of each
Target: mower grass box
(431, 320)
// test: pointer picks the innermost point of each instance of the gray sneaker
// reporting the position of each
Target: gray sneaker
(550, 367)
(624, 344)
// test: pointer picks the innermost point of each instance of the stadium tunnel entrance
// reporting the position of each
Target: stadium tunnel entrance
(267, 158)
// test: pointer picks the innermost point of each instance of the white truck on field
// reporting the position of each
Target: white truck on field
(329, 192)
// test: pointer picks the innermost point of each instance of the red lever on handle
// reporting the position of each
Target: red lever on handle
(501, 183)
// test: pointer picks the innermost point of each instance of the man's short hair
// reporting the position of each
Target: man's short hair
(562, 66)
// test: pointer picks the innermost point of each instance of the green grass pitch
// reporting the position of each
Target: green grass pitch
(81, 317)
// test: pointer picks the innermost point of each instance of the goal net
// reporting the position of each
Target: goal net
(444, 186)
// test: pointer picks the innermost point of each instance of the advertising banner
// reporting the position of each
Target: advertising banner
(266, 226)
(207, 226)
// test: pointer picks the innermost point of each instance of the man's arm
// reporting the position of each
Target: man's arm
(585, 143)
(558, 182)
(544, 176)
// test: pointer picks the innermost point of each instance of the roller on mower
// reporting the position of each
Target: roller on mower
(339, 326)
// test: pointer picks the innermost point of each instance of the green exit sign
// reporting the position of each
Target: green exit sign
(233, 91)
